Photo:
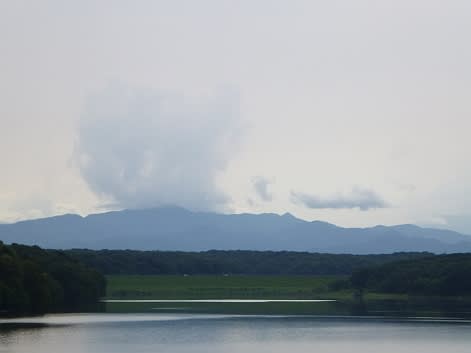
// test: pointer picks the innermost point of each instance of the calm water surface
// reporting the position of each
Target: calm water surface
(222, 333)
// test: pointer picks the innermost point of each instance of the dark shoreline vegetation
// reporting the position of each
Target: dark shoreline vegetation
(37, 281)
(34, 281)
(440, 275)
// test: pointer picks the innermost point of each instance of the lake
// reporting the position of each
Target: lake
(160, 332)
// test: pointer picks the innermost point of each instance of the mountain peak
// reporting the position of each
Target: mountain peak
(175, 228)
(288, 215)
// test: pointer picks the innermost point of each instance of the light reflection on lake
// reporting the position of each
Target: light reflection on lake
(223, 333)
(251, 301)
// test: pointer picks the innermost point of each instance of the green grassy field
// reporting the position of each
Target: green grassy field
(222, 287)
(256, 287)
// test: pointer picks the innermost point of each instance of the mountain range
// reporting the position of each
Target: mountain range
(174, 228)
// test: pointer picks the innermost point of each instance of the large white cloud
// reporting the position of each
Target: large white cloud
(143, 149)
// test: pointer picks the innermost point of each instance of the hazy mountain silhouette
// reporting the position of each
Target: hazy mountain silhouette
(174, 228)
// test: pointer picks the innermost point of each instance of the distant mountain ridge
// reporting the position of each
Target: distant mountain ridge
(174, 228)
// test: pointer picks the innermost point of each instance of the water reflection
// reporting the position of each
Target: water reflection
(439, 307)
(224, 333)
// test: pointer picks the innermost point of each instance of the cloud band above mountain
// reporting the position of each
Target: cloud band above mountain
(363, 199)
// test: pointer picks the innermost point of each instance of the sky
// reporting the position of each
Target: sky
(353, 112)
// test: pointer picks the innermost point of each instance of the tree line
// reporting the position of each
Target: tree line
(36, 281)
(440, 275)
(213, 262)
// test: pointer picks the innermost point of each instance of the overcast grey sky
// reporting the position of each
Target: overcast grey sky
(353, 112)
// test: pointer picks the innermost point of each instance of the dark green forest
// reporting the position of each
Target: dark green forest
(132, 262)
(36, 281)
(440, 275)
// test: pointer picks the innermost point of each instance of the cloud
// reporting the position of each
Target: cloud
(363, 199)
(139, 149)
(437, 221)
(260, 184)
(29, 207)
(459, 222)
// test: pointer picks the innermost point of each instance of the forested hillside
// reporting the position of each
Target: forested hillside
(34, 281)
(230, 262)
